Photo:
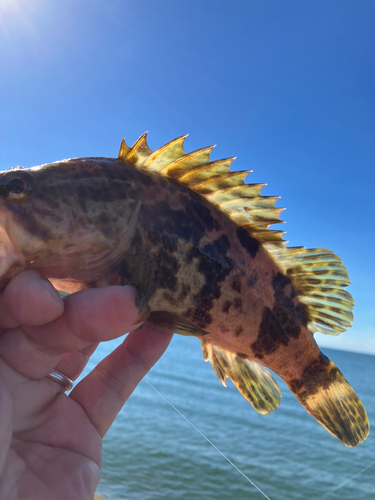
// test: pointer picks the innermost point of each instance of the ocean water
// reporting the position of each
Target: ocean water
(151, 452)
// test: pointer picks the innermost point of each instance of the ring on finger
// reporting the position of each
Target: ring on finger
(61, 379)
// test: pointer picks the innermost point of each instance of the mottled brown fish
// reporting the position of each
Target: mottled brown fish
(193, 240)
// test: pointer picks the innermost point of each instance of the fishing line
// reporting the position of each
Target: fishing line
(347, 481)
(205, 437)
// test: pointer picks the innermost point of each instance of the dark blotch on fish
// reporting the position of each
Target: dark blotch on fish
(184, 291)
(147, 180)
(253, 278)
(237, 332)
(314, 378)
(31, 222)
(275, 330)
(237, 303)
(169, 243)
(200, 211)
(226, 306)
(167, 268)
(103, 219)
(181, 223)
(241, 355)
(236, 284)
(223, 243)
(136, 242)
(50, 200)
(298, 312)
(214, 273)
(249, 243)
(138, 271)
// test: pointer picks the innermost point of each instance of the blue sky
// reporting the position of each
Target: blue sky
(287, 87)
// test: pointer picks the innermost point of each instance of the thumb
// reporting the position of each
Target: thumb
(6, 425)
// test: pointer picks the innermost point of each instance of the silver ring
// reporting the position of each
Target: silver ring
(61, 379)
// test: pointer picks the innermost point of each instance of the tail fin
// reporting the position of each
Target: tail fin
(328, 397)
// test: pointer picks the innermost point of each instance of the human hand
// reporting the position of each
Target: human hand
(50, 442)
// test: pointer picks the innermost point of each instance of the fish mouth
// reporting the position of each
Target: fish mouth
(11, 260)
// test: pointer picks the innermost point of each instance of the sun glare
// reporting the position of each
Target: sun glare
(8, 6)
(15, 17)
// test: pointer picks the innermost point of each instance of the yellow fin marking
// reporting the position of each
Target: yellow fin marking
(168, 153)
(235, 192)
(221, 182)
(184, 164)
(266, 235)
(257, 219)
(139, 152)
(124, 149)
(207, 171)
(248, 203)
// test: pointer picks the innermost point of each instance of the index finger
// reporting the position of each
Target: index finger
(89, 316)
(29, 299)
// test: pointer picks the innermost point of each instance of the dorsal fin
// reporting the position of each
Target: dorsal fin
(317, 275)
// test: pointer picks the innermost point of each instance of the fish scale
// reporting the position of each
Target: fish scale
(194, 241)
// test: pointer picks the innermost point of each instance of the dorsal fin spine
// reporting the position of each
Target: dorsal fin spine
(139, 152)
(124, 149)
(166, 154)
(207, 168)
(195, 158)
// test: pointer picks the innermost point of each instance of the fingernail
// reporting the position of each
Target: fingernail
(53, 293)
(143, 315)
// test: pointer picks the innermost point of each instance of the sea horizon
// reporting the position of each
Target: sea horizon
(152, 453)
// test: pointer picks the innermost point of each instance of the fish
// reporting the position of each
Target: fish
(193, 239)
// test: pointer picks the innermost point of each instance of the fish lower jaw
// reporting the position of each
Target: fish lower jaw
(10, 267)
(12, 260)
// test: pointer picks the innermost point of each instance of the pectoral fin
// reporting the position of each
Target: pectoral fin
(171, 323)
(253, 381)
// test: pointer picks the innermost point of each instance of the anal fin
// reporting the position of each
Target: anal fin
(253, 381)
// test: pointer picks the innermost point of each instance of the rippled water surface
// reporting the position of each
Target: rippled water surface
(151, 452)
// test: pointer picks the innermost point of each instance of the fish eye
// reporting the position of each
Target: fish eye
(16, 185)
